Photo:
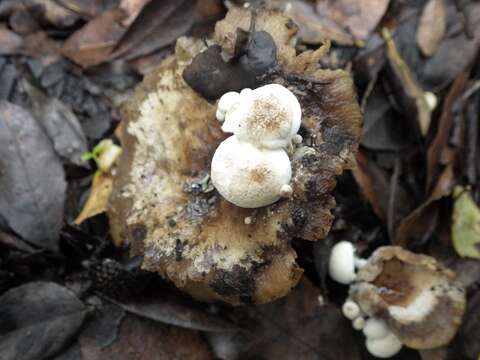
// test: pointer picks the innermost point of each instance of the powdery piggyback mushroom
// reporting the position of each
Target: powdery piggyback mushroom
(419, 299)
(161, 204)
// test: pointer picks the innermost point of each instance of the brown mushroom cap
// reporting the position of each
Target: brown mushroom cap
(417, 297)
(196, 238)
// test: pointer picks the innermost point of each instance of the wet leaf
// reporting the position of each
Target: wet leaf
(60, 124)
(437, 153)
(10, 43)
(98, 199)
(411, 96)
(432, 26)
(144, 339)
(92, 44)
(37, 320)
(415, 228)
(168, 26)
(173, 309)
(31, 178)
(295, 327)
(465, 224)
(360, 17)
(316, 28)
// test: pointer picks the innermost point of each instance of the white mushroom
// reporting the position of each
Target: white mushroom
(247, 176)
(358, 323)
(375, 329)
(351, 310)
(385, 347)
(342, 262)
(227, 103)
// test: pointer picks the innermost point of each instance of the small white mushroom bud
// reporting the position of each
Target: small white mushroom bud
(341, 265)
(227, 103)
(358, 323)
(384, 348)
(247, 176)
(351, 310)
(375, 329)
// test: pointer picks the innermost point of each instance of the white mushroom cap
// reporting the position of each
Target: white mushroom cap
(384, 348)
(351, 310)
(269, 116)
(247, 176)
(341, 265)
(358, 323)
(375, 329)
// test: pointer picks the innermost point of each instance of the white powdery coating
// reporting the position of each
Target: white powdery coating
(417, 310)
(269, 116)
(341, 265)
(247, 176)
(375, 329)
(384, 348)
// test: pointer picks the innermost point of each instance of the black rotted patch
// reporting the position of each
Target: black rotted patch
(139, 232)
(178, 250)
(299, 217)
(238, 282)
(211, 76)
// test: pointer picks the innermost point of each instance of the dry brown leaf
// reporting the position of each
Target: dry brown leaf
(315, 29)
(92, 44)
(432, 26)
(98, 199)
(366, 183)
(412, 95)
(143, 339)
(436, 154)
(360, 17)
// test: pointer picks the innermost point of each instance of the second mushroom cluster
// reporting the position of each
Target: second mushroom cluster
(252, 169)
(398, 298)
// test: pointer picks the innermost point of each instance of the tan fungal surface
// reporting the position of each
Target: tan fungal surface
(161, 205)
(420, 300)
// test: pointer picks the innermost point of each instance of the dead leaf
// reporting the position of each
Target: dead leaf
(143, 339)
(98, 199)
(32, 178)
(360, 17)
(92, 44)
(60, 124)
(432, 26)
(366, 183)
(465, 224)
(316, 28)
(159, 24)
(411, 96)
(171, 308)
(45, 10)
(10, 43)
(436, 153)
(37, 320)
(421, 222)
(295, 327)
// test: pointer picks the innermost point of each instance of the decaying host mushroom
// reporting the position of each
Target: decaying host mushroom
(419, 299)
(162, 205)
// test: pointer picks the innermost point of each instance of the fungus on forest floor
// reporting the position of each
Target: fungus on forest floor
(162, 204)
(409, 299)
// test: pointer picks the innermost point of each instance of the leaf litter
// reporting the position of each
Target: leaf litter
(65, 66)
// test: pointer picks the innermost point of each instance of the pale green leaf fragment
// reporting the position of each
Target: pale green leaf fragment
(465, 224)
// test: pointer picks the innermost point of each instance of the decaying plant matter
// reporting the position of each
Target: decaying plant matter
(163, 204)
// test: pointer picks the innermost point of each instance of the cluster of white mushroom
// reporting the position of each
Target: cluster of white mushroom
(252, 169)
(380, 341)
